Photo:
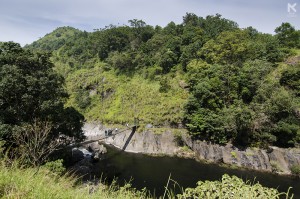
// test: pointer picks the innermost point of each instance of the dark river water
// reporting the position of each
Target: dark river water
(153, 172)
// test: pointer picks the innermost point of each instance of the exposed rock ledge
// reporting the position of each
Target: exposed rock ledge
(276, 159)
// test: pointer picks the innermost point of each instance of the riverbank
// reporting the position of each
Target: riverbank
(276, 160)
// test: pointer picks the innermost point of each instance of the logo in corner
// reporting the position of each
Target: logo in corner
(292, 9)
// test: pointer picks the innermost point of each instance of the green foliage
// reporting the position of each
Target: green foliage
(234, 47)
(237, 88)
(55, 40)
(250, 77)
(111, 39)
(227, 48)
(233, 154)
(126, 98)
(238, 104)
(214, 25)
(288, 35)
(120, 61)
(291, 79)
(164, 85)
(230, 187)
(31, 90)
(56, 167)
(82, 98)
(295, 169)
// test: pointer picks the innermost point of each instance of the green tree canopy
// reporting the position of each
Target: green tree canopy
(30, 90)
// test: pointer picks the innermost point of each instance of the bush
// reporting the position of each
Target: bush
(295, 169)
(230, 187)
(275, 166)
(56, 167)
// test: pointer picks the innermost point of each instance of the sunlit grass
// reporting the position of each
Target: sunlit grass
(127, 98)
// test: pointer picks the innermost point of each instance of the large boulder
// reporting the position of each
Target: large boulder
(97, 150)
(79, 154)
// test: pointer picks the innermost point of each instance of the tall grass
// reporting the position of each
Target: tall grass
(18, 182)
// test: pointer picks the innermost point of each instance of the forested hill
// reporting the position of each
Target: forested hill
(221, 82)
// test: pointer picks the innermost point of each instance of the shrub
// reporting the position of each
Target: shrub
(233, 154)
(295, 169)
(56, 167)
(275, 167)
(230, 187)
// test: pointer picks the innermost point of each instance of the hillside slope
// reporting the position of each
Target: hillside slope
(223, 83)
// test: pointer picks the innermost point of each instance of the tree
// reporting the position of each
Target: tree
(228, 48)
(287, 35)
(250, 78)
(34, 145)
(190, 19)
(30, 90)
(214, 25)
(291, 79)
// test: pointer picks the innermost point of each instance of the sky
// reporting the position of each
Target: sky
(25, 21)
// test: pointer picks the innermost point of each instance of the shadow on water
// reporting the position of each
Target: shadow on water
(153, 172)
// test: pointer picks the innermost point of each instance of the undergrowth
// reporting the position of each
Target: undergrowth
(105, 96)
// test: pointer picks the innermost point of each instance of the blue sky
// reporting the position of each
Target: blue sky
(24, 21)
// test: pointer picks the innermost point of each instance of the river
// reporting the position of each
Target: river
(153, 172)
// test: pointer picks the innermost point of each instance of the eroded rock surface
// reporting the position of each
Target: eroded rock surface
(275, 159)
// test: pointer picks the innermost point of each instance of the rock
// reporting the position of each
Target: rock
(183, 84)
(102, 149)
(97, 150)
(95, 156)
(96, 147)
(99, 153)
(77, 155)
(83, 167)
(149, 126)
(293, 60)
(145, 142)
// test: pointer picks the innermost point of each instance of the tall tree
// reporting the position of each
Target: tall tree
(288, 35)
(31, 91)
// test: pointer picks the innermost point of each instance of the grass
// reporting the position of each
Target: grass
(275, 166)
(16, 182)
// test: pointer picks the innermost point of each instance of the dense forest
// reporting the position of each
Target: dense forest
(220, 82)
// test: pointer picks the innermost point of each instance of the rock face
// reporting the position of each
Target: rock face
(97, 150)
(275, 159)
(145, 142)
